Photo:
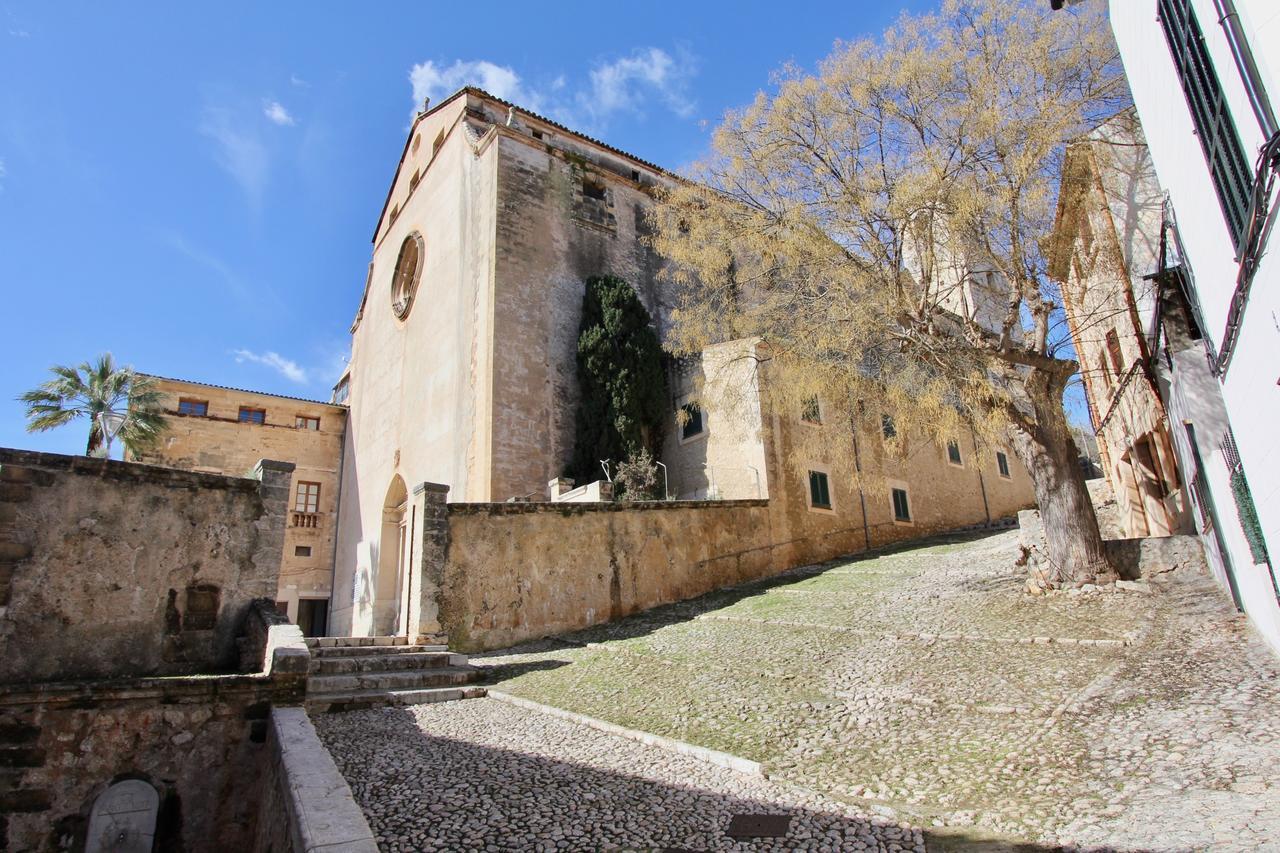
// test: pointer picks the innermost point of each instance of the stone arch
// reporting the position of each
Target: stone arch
(393, 556)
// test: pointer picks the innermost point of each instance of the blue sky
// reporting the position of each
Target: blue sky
(194, 188)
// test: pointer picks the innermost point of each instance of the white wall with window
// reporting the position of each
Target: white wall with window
(1204, 138)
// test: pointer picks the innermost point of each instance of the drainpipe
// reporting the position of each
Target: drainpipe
(1229, 18)
(337, 508)
(982, 481)
(862, 498)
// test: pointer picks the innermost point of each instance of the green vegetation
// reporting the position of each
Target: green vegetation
(621, 380)
(117, 401)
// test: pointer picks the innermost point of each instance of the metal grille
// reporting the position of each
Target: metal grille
(1229, 451)
(1232, 177)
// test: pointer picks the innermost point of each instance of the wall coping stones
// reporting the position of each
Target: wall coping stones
(571, 508)
(113, 469)
(148, 691)
(322, 813)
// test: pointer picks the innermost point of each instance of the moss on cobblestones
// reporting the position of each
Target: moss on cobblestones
(941, 690)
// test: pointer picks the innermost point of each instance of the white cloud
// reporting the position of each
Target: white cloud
(275, 112)
(239, 152)
(285, 367)
(435, 82)
(299, 82)
(625, 84)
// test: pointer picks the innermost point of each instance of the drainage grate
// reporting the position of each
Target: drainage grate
(758, 826)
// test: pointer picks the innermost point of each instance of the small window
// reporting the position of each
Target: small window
(887, 426)
(537, 134)
(819, 490)
(202, 608)
(395, 213)
(307, 498)
(901, 506)
(592, 187)
(341, 391)
(252, 416)
(811, 411)
(282, 607)
(417, 142)
(304, 422)
(435, 146)
(1113, 350)
(691, 421)
(414, 179)
(195, 408)
(302, 550)
(953, 453)
(635, 175)
(1002, 464)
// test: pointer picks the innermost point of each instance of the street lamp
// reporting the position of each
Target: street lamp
(110, 422)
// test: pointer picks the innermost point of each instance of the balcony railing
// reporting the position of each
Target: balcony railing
(304, 519)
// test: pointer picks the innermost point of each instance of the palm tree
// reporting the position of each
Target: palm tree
(118, 402)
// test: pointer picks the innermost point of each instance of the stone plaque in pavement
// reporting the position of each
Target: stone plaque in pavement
(123, 819)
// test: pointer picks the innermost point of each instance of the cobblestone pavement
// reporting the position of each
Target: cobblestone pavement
(924, 684)
(483, 775)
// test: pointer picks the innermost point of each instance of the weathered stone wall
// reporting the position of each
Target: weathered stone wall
(220, 443)
(497, 574)
(197, 740)
(118, 568)
(513, 572)
(551, 237)
(306, 804)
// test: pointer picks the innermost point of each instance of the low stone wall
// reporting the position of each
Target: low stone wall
(513, 572)
(306, 804)
(1131, 558)
(197, 741)
(117, 569)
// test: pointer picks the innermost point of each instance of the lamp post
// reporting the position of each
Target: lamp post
(110, 422)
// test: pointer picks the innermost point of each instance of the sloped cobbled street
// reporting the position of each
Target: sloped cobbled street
(911, 698)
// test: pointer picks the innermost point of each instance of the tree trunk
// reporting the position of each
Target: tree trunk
(1075, 553)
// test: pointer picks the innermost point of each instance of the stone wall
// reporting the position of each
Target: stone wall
(220, 443)
(309, 803)
(513, 572)
(497, 574)
(198, 741)
(1132, 559)
(118, 569)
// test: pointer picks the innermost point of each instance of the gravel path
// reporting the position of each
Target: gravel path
(925, 684)
(484, 775)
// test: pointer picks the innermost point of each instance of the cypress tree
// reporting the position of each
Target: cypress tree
(621, 379)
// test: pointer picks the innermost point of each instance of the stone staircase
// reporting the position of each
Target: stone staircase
(353, 673)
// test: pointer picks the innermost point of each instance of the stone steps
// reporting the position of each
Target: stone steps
(332, 703)
(346, 665)
(380, 651)
(349, 673)
(442, 676)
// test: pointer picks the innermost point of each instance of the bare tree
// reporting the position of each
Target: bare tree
(882, 226)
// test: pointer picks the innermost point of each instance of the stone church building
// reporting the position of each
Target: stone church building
(463, 376)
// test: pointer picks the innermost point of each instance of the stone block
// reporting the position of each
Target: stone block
(24, 801)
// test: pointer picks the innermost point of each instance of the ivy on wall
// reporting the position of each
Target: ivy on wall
(1249, 517)
(621, 380)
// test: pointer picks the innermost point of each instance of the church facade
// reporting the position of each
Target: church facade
(463, 372)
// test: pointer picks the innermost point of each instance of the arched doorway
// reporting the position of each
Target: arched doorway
(394, 552)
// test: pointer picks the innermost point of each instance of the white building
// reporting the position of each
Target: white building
(1200, 72)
